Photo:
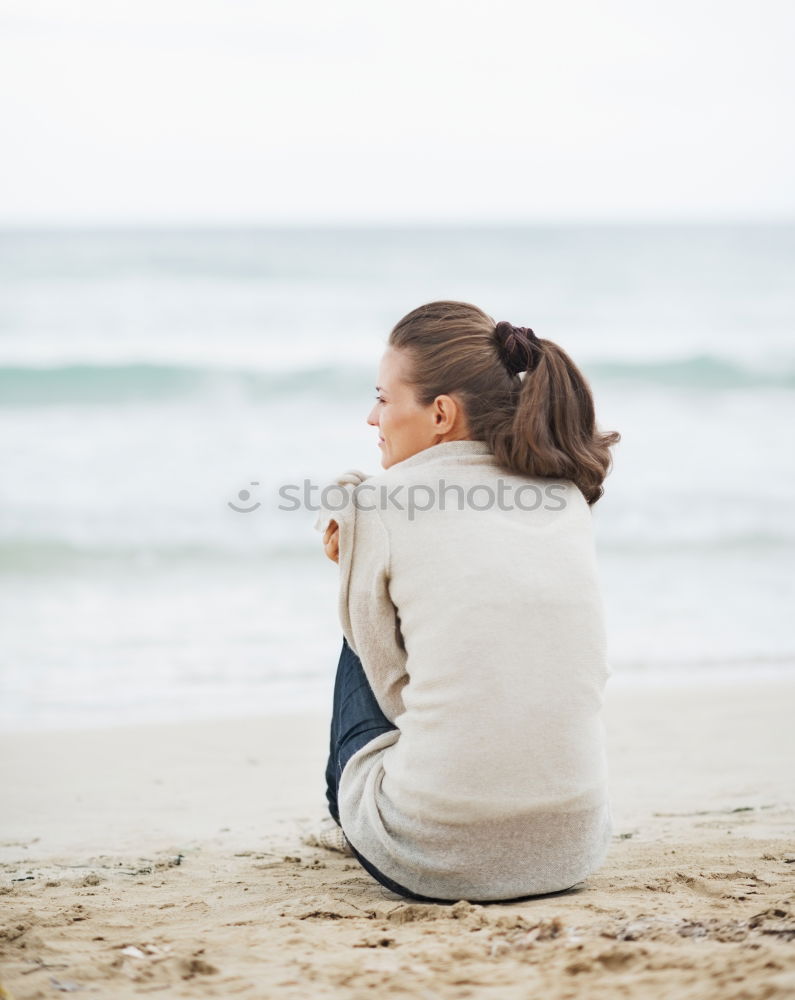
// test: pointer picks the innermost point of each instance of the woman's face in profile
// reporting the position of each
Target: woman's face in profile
(404, 427)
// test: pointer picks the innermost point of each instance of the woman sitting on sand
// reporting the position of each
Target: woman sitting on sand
(467, 754)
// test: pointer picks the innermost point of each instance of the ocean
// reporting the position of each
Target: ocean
(150, 379)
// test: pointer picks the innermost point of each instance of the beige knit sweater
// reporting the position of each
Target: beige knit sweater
(481, 633)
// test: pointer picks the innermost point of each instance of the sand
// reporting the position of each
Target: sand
(167, 860)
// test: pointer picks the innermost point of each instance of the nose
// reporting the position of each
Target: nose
(371, 419)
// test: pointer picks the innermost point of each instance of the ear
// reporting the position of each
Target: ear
(445, 411)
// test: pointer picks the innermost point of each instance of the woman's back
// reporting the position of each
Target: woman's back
(471, 596)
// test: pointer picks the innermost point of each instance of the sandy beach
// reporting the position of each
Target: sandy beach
(167, 859)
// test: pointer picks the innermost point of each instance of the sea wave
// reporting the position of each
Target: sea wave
(701, 371)
(53, 555)
(106, 383)
(32, 385)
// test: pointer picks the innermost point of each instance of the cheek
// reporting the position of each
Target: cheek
(393, 422)
(404, 426)
(387, 418)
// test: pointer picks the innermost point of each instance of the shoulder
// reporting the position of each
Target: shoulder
(445, 483)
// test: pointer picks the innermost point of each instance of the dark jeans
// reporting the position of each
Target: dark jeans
(356, 719)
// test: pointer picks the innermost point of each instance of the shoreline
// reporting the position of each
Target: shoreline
(758, 671)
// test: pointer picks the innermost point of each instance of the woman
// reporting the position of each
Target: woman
(467, 752)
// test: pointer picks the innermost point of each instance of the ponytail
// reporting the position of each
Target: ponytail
(523, 395)
(553, 432)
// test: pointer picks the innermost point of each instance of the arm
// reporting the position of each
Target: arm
(357, 539)
(369, 618)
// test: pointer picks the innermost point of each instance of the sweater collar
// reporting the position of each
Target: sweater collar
(445, 449)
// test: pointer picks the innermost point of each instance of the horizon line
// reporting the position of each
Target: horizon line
(259, 225)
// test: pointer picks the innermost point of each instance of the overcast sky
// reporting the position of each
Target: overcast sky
(352, 111)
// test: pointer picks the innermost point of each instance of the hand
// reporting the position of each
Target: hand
(331, 541)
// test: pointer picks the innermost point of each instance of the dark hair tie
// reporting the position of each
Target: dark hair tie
(518, 347)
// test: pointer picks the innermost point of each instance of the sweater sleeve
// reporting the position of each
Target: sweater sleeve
(369, 619)
(347, 481)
